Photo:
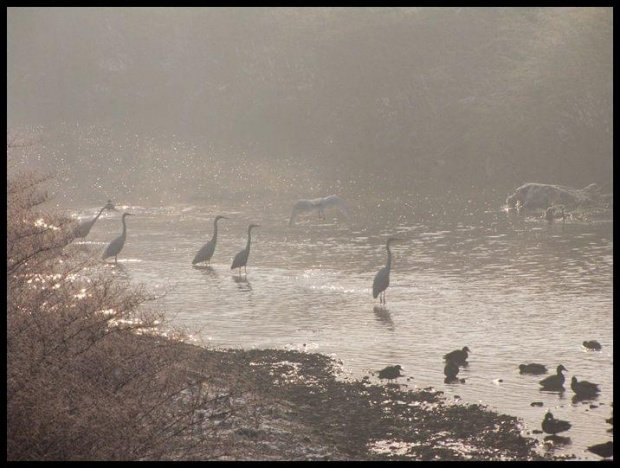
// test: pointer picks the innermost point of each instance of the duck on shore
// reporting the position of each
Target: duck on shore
(390, 372)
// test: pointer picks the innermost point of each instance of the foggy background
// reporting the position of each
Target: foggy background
(166, 105)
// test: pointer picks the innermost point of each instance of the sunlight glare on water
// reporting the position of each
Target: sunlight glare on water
(512, 290)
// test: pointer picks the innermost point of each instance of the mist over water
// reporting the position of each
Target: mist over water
(177, 104)
(422, 120)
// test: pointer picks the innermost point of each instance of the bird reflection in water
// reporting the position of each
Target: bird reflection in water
(583, 398)
(242, 281)
(207, 270)
(557, 440)
(116, 268)
(383, 315)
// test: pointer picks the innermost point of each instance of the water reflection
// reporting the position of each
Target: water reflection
(556, 440)
(453, 380)
(560, 392)
(207, 270)
(518, 290)
(383, 315)
(243, 283)
(583, 398)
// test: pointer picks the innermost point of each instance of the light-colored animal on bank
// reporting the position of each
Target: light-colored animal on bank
(533, 196)
(319, 205)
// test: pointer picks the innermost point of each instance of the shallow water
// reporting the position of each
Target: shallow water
(513, 290)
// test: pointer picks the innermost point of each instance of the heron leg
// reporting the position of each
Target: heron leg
(245, 269)
(115, 259)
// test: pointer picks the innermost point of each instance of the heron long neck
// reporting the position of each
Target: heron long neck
(389, 261)
(247, 247)
(214, 240)
(124, 234)
(99, 214)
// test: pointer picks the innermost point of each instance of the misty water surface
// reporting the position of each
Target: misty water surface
(514, 290)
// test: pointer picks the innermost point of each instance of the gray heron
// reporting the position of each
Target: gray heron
(85, 225)
(241, 259)
(207, 250)
(318, 204)
(382, 278)
(115, 247)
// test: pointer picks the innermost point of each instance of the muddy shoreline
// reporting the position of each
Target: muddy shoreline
(289, 405)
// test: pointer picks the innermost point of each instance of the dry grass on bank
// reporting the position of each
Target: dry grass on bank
(82, 384)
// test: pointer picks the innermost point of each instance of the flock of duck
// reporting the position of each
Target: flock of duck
(453, 360)
(583, 390)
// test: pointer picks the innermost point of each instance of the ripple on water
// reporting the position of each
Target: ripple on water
(512, 295)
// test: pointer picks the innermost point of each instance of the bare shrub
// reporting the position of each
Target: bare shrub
(88, 377)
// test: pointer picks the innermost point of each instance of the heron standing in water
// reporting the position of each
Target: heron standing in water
(207, 250)
(241, 259)
(382, 278)
(115, 247)
(85, 225)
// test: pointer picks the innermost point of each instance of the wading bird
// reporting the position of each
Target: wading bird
(318, 204)
(85, 225)
(390, 372)
(554, 426)
(382, 278)
(241, 259)
(554, 382)
(459, 356)
(584, 388)
(534, 369)
(115, 247)
(206, 252)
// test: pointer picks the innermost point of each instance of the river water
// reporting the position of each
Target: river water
(513, 289)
